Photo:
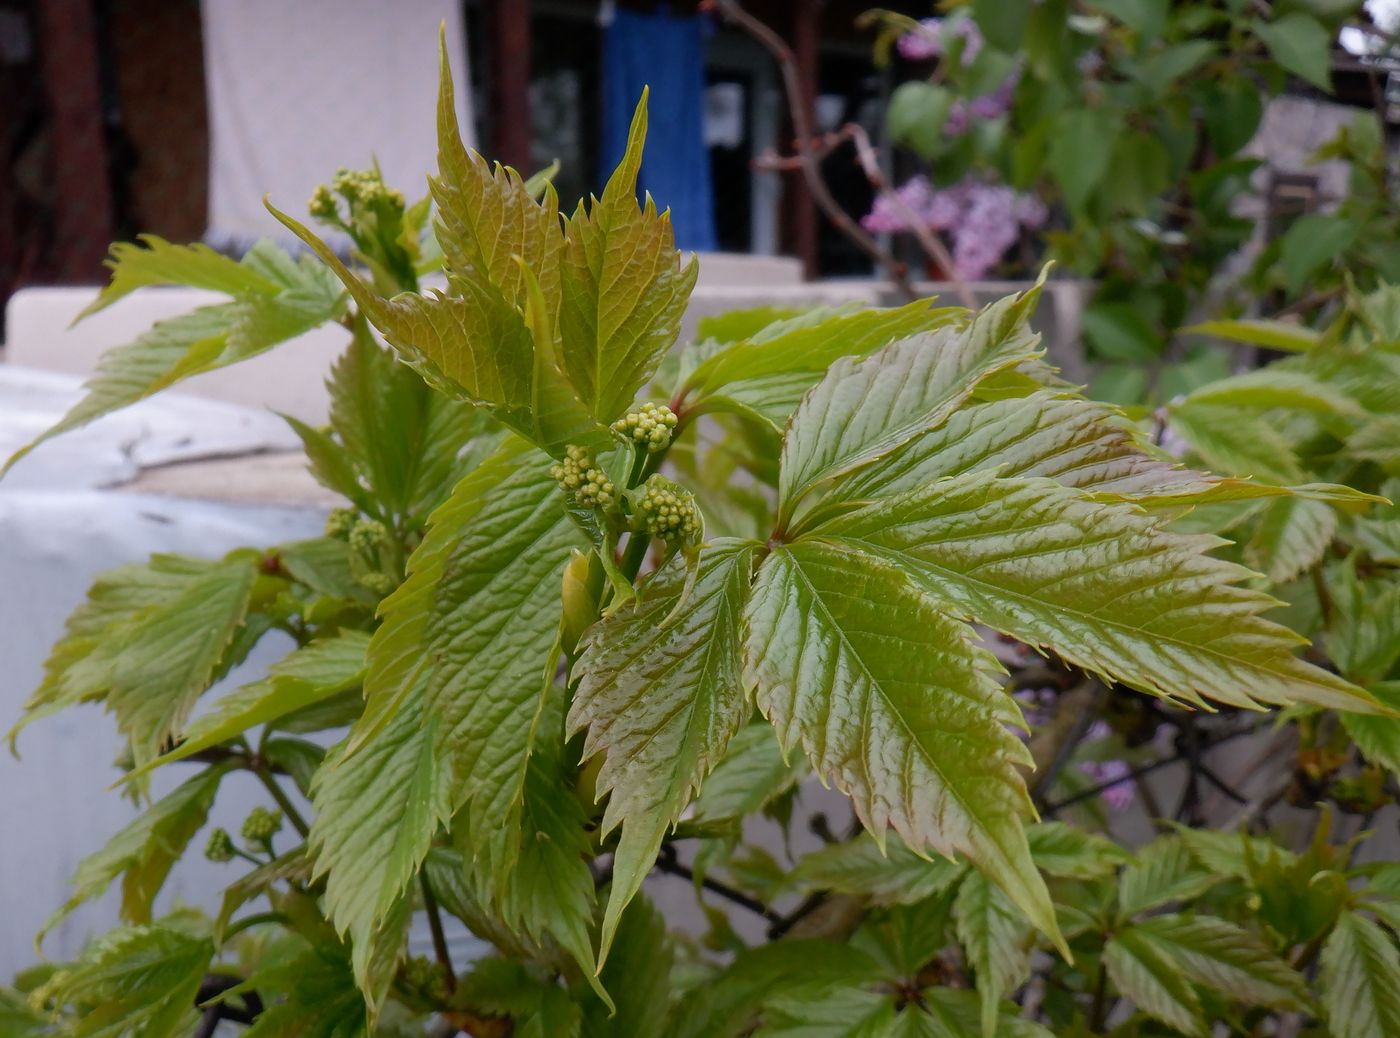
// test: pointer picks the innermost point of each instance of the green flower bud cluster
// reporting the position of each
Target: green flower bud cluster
(668, 511)
(366, 187)
(650, 425)
(322, 205)
(580, 478)
(261, 825)
(340, 522)
(367, 536)
(220, 846)
(380, 583)
(426, 976)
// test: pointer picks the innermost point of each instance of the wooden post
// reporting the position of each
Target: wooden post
(83, 215)
(800, 209)
(508, 34)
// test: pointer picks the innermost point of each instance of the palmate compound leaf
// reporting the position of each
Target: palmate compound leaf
(996, 941)
(143, 851)
(1360, 979)
(1220, 955)
(313, 673)
(1101, 584)
(896, 704)
(863, 409)
(453, 689)
(477, 342)
(138, 980)
(765, 374)
(1154, 982)
(274, 299)
(149, 640)
(661, 692)
(624, 288)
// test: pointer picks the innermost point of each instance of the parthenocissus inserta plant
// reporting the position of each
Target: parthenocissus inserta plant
(543, 676)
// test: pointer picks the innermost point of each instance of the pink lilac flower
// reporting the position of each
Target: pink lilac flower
(1119, 797)
(982, 220)
(928, 41)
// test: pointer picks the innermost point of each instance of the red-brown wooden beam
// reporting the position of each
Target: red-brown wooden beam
(804, 34)
(82, 190)
(508, 40)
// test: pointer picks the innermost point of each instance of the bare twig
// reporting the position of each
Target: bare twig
(444, 957)
(870, 164)
(669, 863)
(809, 146)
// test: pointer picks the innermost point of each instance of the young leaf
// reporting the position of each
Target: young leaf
(139, 981)
(1040, 562)
(765, 373)
(1301, 44)
(660, 692)
(955, 1014)
(996, 941)
(624, 289)
(473, 625)
(751, 775)
(1272, 387)
(292, 867)
(262, 315)
(892, 875)
(537, 1008)
(864, 409)
(1225, 957)
(376, 813)
(1292, 536)
(143, 851)
(1237, 444)
(318, 997)
(836, 1011)
(1155, 982)
(896, 704)
(1162, 871)
(312, 674)
(639, 975)
(1274, 335)
(156, 261)
(169, 654)
(1062, 850)
(1360, 979)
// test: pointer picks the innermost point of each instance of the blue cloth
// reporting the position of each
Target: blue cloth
(666, 53)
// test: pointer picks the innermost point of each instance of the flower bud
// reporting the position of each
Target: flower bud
(261, 825)
(220, 847)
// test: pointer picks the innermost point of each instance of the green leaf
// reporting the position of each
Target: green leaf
(996, 940)
(955, 1014)
(1163, 871)
(143, 851)
(1079, 150)
(1309, 243)
(1155, 982)
(156, 261)
(896, 704)
(138, 981)
(1227, 854)
(889, 875)
(1271, 387)
(531, 865)
(624, 289)
(1232, 117)
(1292, 537)
(1273, 335)
(1364, 619)
(1120, 331)
(149, 640)
(318, 997)
(1040, 562)
(1360, 979)
(203, 340)
(864, 409)
(293, 866)
(404, 442)
(538, 1008)
(1225, 957)
(473, 626)
(1144, 17)
(915, 116)
(1237, 444)
(660, 692)
(751, 775)
(766, 373)
(1076, 442)
(1378, 738)
(1003, 22)
(1062, 850)
(171, 653)
(836, 1011)
(313, 673)
(639, 974)
(376, 812)
(1301, 44)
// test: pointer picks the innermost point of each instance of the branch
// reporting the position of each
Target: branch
(669, 864)
(930, 242)
(809, 146)
(444, 957)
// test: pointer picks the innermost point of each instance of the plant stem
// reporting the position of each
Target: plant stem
(261, 770)
(634, 555)
(669, 864)
(1100, 1003)
(247, 922)
(444, 957)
